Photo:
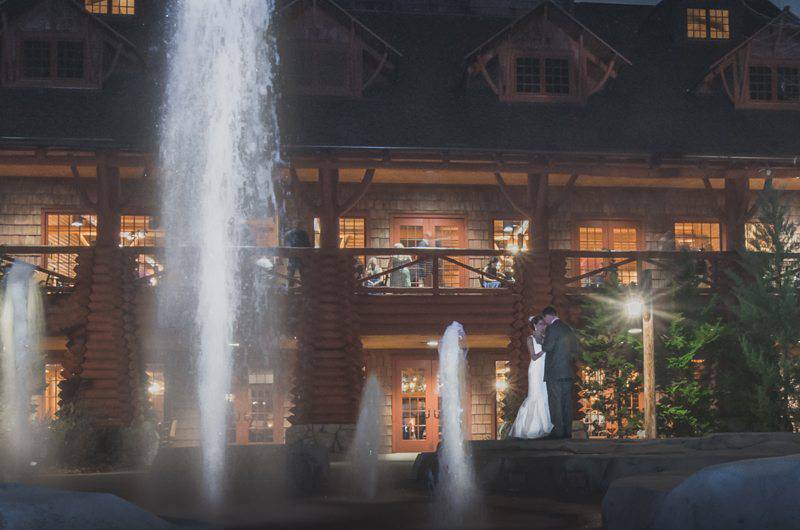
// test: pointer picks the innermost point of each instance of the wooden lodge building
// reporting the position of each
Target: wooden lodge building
(559, 137)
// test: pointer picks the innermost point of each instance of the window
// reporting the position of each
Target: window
(262, 413)
(757, 237)
(155, 389)
(608, 236)
(774, 83)
(38, 59)
(760, 83)
(704, 24)
(352, 232)
(698, 236)
(510, 234)
(68, 230)
(49, 406)
(530, 71)
(118, 7)
(138, 231)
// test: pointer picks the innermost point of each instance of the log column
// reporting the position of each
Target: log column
(102, 369)
(329, 370)
(737, 191)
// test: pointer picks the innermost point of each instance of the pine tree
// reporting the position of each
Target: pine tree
(612, 358)
(766, 311)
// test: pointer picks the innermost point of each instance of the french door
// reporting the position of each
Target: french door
(439, 232)
(617, 236)
(415, 406)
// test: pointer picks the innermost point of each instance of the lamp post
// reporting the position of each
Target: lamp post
(644, 306)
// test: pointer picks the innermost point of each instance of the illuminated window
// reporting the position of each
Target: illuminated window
(155, 389)
(757, 238)
(510, 234)
(137, 231)
(698, 236)
(68, 230)
(352, 232)
(611, 236)
(262, 406)
(502, 370)
(708, 24)
(117, 7)
(530, 71)
(52, 377)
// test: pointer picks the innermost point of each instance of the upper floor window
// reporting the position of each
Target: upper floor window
(549, 76)
(697, 236)
(111, 7)
(48, 59)
(774, 83)
(708, 24)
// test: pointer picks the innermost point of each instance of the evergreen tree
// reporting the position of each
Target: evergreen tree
(766, 313)
(692, 336)
(612, 358)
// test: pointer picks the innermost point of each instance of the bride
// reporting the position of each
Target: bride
(533, 417)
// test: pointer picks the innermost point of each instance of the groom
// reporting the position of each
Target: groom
(561, 345)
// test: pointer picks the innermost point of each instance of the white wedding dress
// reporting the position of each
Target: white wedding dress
(533, 417)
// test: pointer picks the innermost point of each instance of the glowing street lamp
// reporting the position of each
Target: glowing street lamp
(636, 307)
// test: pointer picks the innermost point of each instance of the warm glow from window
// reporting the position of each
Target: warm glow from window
(136, 231)
(756, 239)
(708, 24)
(510, 234)
(698, 236)
(118, 7)
(606, 236)
(52, 377)
(352, 232)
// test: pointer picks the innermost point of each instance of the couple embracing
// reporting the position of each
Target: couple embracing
(547, 410)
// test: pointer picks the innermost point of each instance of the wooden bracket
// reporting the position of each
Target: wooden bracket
(81, 187)
(510, 198)
(376, 72)
(720, 213)
(297, 186)
(753, 208)
(359, 193)
(565, 193)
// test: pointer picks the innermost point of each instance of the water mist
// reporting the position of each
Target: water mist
(219, 144)
(367, 443)
(456, 490)
(21, 365)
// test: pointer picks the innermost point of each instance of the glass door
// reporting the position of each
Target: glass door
(415, 424)
(603, 236)
(433, 232)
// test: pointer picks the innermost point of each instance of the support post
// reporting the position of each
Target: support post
(736, 208)
(329, 208)
(649, 364)
(539, 232)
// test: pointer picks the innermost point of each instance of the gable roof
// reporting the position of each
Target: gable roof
(369, 36)
(567, 21)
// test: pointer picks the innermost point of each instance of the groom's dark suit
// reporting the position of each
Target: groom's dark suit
(561, 346)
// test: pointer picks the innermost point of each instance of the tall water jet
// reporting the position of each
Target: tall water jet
(21, 365)
(456, 490)
(219, 144)
(367, 442)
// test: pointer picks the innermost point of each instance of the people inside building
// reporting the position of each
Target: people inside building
(493, 269)
(401, 277)
(373, 268)
(297, 237)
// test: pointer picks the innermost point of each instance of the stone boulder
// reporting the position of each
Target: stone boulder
(39, 508)
(745, 495)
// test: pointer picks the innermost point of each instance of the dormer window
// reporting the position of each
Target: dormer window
(774, 83)
(708, 24)
(111, 7)
(542, 76)
(49, 59)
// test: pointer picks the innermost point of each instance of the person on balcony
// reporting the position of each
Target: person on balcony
(493, 268)
(401, 277)
(296, 238)
(372, 269)
(421, 270)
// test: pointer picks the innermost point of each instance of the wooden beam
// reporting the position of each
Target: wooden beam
(736, 206)
(510, 198)
(539, 231)
(606, 75)
(369, 174)
(709, 189)
(377, 72)
(329, 208)
(565, 193)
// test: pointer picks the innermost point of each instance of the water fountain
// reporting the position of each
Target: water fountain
(367, 442)
(218, 147)
(456, 490)
(21, 365)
